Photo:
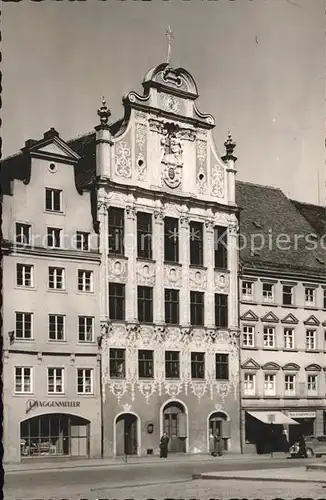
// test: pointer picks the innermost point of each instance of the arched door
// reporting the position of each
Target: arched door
(175, 425)
(126, 431)
(218, 422)
(55, 435)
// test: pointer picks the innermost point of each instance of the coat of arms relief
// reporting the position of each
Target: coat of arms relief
(172, 158)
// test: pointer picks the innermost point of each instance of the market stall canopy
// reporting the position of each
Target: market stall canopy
(272, 417)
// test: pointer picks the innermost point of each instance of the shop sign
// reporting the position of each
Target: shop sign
(30, 404)
(302, 414)
(271, 418)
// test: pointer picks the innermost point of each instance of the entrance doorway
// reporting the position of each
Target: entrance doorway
(175, 425)
(218, 422)
(126, 429)
(305, 428)
(52, 435)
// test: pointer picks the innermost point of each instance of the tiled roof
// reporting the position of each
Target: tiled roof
(270, 220)
(315, 215)
(85, 170)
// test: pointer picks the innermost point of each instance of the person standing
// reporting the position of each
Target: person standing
(217, 443)
(211, 443)
(164, 445)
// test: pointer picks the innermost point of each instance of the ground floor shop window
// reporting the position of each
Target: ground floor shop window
(54, 435)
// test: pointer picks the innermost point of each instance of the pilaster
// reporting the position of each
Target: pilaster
(131, 254)
(102, 210)
(233, 257)
(158, 254)
(209, 262)
(185, 259)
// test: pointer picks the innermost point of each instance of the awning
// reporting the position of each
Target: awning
(273, 417)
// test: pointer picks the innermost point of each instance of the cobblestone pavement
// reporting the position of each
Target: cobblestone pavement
(201, 490)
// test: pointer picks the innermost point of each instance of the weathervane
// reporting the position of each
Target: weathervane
(170, 35)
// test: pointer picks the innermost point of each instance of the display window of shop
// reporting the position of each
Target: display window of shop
(85, 380)
(23, 379)
(312, 385)
(289, 385)
(270, 384)
(55, 380)
(54, 435)
(248, 336)
(249, 384)
(311, 340)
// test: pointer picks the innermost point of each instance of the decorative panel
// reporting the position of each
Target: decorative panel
(172, 276)
(221, 282)
(201, 166)
(141, 146)
(118, 270)
(198, 279)
(145, 273)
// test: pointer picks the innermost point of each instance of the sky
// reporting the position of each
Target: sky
(259, 66)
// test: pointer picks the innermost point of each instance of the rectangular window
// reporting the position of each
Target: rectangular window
(24, 325)
(25, 275)
(86, 329)
(268, 292)
(310, 340)
(249, 384)
(85, 280)
(197, 308)
(288, 338)
(56, 327)
(171, 239)
(197, 365)
(270, 384)
(287, 295)
(56, 278)
(221, 310)
(312, 385)
(116, 230)
(220, 247)
(55, 380)
(84, 381)
(196, 237)
(310, 296)
(23, 233)
(247, 290)
(222, 366)
(248, 336)
(82, 240)
(117, 301)
(289, 385)
(23, 380)
(171, 298)
(172, 364)
(54, 237)
(145, 364)
(145, 304)
(117, 363)
(269, 337)
(53, 200)
(144, 235)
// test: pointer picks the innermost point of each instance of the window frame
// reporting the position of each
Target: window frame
(293, 391)
(270, 334)
(24, 272)
(288, 294)
(117, 302)
(21, 233)
(85, 327)
(196, 251)
(84, 392)
(116, 228)
(56, 278)
(221, 235)
(143, 302)
(292, 337)
(144, 227)
(57, 238)
(171, 228)
(169, 362)
(244, 290)
(223, 365)
(56, 316)
(248, 334)
(267, 391)
(31, 379)
(268, 295)
(197, 309)
(53, 192)
(146, 364)
(24, 313)
(82, 280)
(221, 310)
(117, 359)
(246, 391)
(55, 368)
(311, 392)
(311, 346)
(171, 306)
(197, 365)
(83, 237)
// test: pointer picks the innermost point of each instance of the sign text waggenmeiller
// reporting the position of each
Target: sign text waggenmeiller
(51, 404)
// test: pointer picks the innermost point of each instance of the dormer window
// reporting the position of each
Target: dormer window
(247, 290)
(310, 294)
(53, 200)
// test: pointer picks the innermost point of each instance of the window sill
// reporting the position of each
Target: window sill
(57, 290)
(53, 341)
(272, 397)
(171, 263)
(116, 379)
(245, 300)
(54, 212)
(86, 342)
(29, 394)
(145, 379)
(290, 306)
(22, 287)
(269, 304)
(314, 351)
(91, 394)
(23, 340)
(250, 348)
(146, 259)
(56, 394)
(147, 323)
(81, 292)
(270, 349)
(223, 380)
(290, 349)
(311, 308)
(117, 256)
(222, 270)
(198, 379)
(292, 397)
(198, 266)
(245, 396)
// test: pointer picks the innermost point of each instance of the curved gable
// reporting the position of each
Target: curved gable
(291, 366)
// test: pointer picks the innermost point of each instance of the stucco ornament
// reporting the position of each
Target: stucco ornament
(201, 151)
(217, 181)
(170, 103)
(172, 157)
(160, 339)
(123, 159)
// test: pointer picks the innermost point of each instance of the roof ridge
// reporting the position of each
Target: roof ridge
(80, 136)
(308, 204)
(260, 185)
(11, 156)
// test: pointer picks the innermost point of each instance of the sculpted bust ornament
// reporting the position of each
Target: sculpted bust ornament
(172, 157)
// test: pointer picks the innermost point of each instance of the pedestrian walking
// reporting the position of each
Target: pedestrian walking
(211, 442)
(285, 441)
(302, 447)
(217, 444)
(164, 445)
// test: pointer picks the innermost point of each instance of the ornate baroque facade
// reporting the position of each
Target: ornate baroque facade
(162, 161)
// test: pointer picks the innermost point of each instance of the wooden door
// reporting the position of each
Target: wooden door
(174, 426)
